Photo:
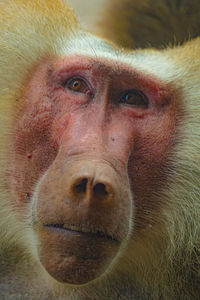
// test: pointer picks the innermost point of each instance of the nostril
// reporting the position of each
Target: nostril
(100, 190)
(84, 188)
(81, 187)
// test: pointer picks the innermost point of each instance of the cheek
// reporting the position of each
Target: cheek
(34, 148)
(149, 167)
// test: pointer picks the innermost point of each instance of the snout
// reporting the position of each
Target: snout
(83, 210)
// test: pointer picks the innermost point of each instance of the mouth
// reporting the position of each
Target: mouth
(75, 254)
(81, 230)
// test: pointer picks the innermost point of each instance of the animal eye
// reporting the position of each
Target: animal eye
(78, 85)
(135, 97)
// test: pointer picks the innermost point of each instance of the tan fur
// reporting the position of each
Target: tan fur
(151, 23)
(164, 261)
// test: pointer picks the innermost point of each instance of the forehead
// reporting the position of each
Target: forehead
(150, 62)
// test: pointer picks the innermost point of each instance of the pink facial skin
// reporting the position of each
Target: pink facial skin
(97, 156)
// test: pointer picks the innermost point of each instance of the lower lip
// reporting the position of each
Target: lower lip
(75, 257)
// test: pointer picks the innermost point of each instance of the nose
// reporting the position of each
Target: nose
(91, 181)
(88, 187)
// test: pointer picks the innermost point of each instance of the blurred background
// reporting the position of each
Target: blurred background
(88, 11)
